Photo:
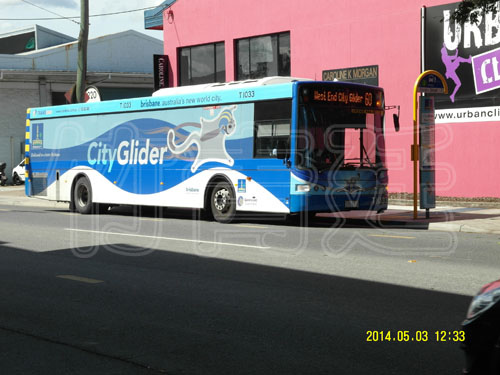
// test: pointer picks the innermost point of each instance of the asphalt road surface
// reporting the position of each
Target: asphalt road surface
(120, 294)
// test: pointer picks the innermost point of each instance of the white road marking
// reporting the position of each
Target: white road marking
(389, 236)
(168, 238)
(252, 226)
(80, 278)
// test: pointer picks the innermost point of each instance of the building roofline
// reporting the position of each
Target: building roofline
(47, 50)
(153, 18)
(62, 57)
(34, 28)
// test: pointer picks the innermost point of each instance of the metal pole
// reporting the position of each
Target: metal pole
(81, 74)
(415, 150)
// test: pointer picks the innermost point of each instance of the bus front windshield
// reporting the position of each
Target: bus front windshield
(331, 138)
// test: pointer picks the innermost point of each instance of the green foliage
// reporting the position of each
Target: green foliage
(469, 10)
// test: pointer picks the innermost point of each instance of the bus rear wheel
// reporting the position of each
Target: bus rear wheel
(82, 196)
(223, 203)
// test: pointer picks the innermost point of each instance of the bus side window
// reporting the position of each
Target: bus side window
(272, 138)
(272, 128)
(263, 139)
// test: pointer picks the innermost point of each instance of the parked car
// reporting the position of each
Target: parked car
(3, 177)
(18, 174)
(482, 332)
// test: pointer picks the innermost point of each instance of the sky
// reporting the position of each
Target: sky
(12, 11)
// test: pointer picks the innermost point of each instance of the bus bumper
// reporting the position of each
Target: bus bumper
(336, 202)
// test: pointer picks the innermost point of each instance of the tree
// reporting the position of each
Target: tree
(469, 10)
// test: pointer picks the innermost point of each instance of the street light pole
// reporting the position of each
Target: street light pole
(81, 74)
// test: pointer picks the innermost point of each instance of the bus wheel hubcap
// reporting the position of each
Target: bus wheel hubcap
(220, 199)
(83, 196)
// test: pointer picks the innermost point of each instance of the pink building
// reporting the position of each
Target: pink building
(389, 42)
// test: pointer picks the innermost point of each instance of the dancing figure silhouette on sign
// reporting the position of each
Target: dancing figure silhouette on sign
(452, 63)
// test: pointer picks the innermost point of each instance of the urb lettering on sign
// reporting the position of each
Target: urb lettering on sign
(484, 33)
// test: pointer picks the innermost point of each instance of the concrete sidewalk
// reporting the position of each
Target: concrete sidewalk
(15, 196)
(442, 218)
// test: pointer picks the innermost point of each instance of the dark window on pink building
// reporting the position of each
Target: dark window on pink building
(202, 64)
(263, 56)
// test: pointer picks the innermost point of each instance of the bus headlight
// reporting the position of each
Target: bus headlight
(303, 188)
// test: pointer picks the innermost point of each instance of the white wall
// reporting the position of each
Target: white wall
(15, 99)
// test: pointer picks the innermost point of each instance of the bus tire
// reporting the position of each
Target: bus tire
(82, 196)
(223, 202)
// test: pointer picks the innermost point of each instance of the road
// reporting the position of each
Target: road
(121, 294)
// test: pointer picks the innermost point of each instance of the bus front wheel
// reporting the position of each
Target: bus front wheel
(223, 203)
(82, 196)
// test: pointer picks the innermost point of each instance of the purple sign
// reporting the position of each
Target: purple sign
(486, 71)
(449, 48)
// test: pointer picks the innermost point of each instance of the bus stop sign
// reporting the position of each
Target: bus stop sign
(431, 84)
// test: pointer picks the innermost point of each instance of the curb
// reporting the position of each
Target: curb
(14, 196)
(449, 203)
(32, 202)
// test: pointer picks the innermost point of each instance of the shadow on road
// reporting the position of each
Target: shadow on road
(318, 221)
(184, 314)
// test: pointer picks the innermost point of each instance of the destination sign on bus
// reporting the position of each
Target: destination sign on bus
(348, 96)
(343, 97)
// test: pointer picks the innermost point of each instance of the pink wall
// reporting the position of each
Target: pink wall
(329, 34)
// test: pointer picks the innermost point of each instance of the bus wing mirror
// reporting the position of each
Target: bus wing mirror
(395, 117)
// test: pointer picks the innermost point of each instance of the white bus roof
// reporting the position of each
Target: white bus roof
(228, 85)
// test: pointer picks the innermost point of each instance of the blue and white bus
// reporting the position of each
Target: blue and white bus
(274, 145)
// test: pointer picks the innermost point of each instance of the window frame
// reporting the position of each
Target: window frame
(276, 55)
(216, 63)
